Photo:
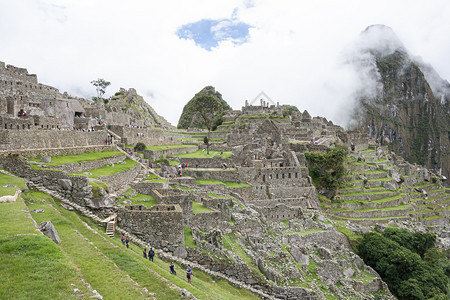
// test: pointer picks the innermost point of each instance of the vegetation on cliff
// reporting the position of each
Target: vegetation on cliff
(327, 169)
(396, 255)
(190, 116)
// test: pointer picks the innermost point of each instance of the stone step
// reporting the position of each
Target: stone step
(377, 213)
(380, 203)
(368, 196)
(372, 221)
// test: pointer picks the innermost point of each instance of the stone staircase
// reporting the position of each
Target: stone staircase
(111, 223)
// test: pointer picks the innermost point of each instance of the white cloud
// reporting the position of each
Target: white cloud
(293, 53)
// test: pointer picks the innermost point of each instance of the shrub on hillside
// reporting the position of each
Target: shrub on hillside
(139, 147)
(407, 275)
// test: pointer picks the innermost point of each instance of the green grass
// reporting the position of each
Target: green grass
(150, 176)
(107, 171)
(208, 181)
(188, 239)
(7, 191)
(17, 181)
(233, 184)
(306, 232)
(230, 240)
(198, 208)
(29, 259)
(84, 157)
(139, 199)
(203, 154)
(167, 147)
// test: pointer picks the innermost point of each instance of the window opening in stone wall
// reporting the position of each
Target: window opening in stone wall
(6, 126)
(29, 126)
(289, 175)
(276, 176)
(296, 175)
(18, 127)
(282, 175)
(264, 178)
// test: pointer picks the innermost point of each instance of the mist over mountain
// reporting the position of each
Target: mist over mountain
(400, 100)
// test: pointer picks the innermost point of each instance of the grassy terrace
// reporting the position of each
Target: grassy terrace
(12, 180)
(85, 252)
(163, 147)
(378, 201)
(84, 157)
(218, 182)
(203, 154)
(30, 259)
(106, 170)
(198, 208)
(139, 199)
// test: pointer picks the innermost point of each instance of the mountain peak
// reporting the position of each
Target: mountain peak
(380, 40)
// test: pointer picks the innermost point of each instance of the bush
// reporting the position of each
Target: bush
(139, 147)
(327, 169)
(162, 160)
(407, 275)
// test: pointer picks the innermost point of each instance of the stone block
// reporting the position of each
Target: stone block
(49, 230)
(65, 184)
(46, 159)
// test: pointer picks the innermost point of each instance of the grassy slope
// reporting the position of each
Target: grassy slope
(29, 259)
(101, 261)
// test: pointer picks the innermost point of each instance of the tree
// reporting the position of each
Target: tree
(209, 109)
(100, 85)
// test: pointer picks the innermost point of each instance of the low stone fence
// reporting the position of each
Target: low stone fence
(117, 181)
(184, 180)
(89, 165)
(210, 163)
(149, 154)
(146, 188)
(225, 175)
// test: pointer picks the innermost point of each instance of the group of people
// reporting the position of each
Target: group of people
(150, 254)
(22, 113)
(140, 134)
(125, 241)
(109, 139)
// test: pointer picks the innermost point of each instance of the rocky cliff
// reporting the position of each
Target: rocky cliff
(408, 109)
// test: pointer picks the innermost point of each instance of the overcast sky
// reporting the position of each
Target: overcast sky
(169, 50)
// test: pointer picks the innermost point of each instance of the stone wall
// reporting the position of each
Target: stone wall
(225, 175)
(75, 188)
(117, 181)
(149, 154)
(161, 226)
(150, 136)
(62, 151)
(146, 188)
(206, 221)
(182, 198)
(206, 162)
(280, 212)
(44, 139)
